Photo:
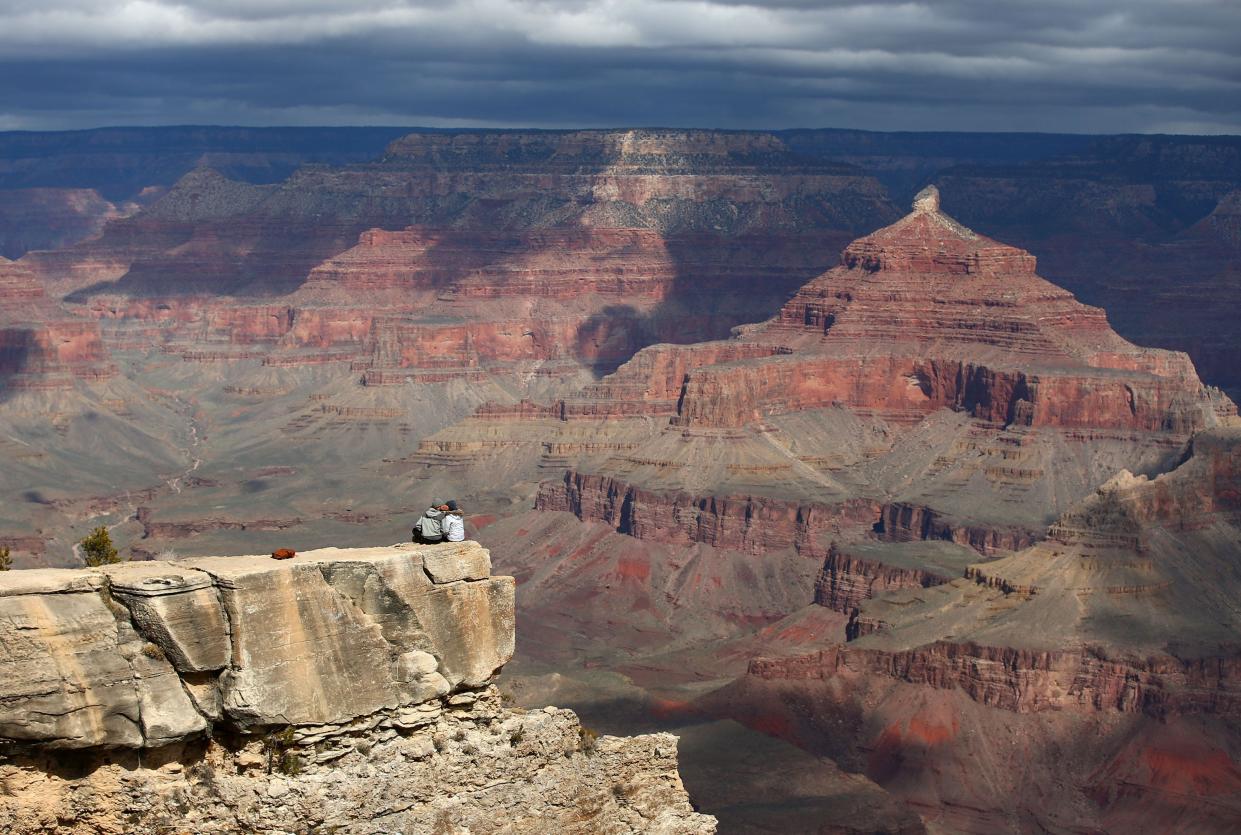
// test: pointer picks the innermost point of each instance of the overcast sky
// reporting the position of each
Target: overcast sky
(1098, 66)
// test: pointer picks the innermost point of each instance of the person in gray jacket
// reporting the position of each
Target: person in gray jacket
(429, 529)
(454, 524)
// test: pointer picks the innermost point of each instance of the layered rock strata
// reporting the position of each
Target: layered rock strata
(750, 524)
(348, 690)
(1125, 605)
(1142, 226)
(42, 345)
(855, 573)
(462, 250)
(1107, 652)
(932, 374)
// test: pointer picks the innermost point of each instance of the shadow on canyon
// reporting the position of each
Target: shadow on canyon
(729, 265)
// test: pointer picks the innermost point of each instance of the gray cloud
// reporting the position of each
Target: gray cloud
(1054, 65)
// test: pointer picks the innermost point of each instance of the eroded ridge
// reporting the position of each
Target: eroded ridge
(349, 688)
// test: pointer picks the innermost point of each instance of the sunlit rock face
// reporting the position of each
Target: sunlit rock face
(321, 639)
(353, 688)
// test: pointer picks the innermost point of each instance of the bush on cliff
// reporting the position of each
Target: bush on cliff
(6, 559)
(97, 549)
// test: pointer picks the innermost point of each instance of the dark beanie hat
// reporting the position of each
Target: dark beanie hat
(452, 504)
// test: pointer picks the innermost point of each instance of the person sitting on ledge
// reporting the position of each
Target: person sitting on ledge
(454, 525)
(429, 529)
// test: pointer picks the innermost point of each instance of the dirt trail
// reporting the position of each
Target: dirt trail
(190, 451)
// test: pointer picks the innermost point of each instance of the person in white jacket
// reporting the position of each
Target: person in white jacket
(453, 524)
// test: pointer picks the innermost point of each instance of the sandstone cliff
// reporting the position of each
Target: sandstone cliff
(341, 690)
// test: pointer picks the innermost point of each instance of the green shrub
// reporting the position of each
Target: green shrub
(6, 559)
(97, 549)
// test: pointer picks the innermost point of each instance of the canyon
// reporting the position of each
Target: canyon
(781, 464)
(1119, 624)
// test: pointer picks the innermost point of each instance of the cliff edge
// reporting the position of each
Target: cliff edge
(339, 691)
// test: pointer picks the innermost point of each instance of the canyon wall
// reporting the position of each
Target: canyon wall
(42, 345)
(751, 524)
(1031, 681)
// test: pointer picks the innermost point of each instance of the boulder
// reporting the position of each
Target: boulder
(450, 563)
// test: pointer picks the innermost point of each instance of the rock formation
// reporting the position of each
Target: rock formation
(885, 490)
(1137, 225)
(909, 420)
(340, 690)
(932, 383)
(611, 240)
(1125, 609)
(42, 345)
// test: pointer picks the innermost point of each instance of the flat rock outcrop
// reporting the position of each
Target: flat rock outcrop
(230, 675)
(320, 639)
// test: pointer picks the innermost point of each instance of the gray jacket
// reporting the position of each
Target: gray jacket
(431, 523)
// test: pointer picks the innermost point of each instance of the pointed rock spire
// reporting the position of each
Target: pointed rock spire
(926, 201)
(928, 241)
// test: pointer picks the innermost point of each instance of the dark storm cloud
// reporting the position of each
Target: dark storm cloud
(1103, 65)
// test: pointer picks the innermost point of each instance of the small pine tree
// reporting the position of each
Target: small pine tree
(6, 559)
(97, 549)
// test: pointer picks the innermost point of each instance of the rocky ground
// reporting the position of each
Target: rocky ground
(338, 691)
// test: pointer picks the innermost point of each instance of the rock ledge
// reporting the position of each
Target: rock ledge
(340, 690)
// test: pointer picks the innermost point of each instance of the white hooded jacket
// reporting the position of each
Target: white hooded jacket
(454, 527)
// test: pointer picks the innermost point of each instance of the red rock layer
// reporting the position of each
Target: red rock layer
(920, 316)
(594, 295)
(1027, 681)
(846, 580)
(1063, 765)
(636, 264)
(41, 345)
(752, 524)
(926, 314)
(585, 246)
